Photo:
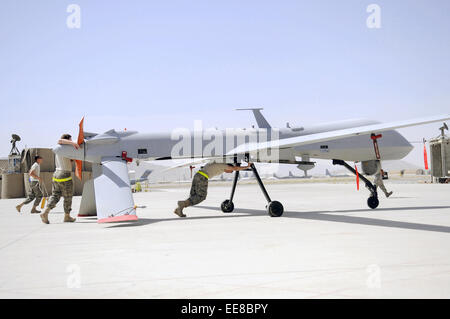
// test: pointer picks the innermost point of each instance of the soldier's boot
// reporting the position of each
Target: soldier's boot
(18, 207)
(34, 210)
(44, 216)
(68, 219)
(181, 205)
(389, 194)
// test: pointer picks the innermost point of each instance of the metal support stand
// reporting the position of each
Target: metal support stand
(372, 201)
(260, 183)
(227, 205)
(274, 208)
(235, 180)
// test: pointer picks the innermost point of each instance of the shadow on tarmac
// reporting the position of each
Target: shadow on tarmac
(330, 216)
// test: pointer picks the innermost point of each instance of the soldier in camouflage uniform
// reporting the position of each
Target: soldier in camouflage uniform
(62, 184)
(379, 180)
(199, 188)
(35, 192)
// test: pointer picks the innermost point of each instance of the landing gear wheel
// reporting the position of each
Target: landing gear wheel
(227, 206)
(275, 209)
(373, 202)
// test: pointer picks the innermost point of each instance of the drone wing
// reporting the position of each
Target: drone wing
(179, 163)
(333, 135)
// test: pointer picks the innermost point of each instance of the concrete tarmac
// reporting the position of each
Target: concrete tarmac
(328, 244)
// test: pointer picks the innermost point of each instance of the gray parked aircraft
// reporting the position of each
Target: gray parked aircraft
(143, 178)
(328, 174)
(109, 195)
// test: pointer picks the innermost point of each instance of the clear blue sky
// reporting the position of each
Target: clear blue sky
(157, 65)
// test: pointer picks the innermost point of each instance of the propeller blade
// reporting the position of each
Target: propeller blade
(81, 132)
(357, 178)
(79, 164)
(79, 169)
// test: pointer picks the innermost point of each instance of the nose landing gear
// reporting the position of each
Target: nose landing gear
(372, 201)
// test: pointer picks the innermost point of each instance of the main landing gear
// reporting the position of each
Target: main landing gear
(274, 208)
(372, 201)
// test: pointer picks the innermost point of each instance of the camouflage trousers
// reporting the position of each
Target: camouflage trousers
(383, 188)
(199, 189)
(34, 194)
(64, 189)
(379, 182)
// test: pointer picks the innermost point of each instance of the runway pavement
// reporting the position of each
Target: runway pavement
(328, 244)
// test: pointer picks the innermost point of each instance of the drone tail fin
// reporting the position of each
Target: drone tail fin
(260, 119)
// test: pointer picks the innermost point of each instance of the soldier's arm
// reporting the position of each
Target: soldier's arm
(67, 142)
(238, 168)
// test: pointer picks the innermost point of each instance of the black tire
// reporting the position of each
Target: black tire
(373, 202)
(227, 206)
(275, 209)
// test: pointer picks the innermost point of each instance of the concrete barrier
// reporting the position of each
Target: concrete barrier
(13, 186)
(26, 183)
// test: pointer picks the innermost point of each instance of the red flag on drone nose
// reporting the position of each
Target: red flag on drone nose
(425, 156)
(357, 178)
